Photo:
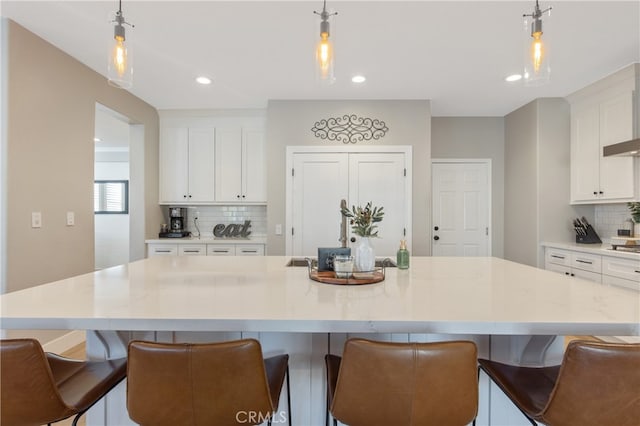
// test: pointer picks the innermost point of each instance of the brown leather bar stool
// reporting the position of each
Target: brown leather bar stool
(38, 388)
(403, 384)
(220, 384)
(597, 384)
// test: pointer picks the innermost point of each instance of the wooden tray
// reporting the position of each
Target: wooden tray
(358, 278)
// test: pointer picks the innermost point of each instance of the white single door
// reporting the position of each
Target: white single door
(461, 200)
(380, 178)
(319, 181)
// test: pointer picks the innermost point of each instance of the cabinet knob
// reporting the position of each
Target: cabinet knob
(184, 196)
(595, 192)
(435, 228)
(353, 239)
(436, 238)
(189, 195)
(600, 192)
(243, 196)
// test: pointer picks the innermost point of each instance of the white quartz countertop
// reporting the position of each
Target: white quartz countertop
(255, 293)
(207, 240)
(600, 249)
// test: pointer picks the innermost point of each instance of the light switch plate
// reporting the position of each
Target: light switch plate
(278, 229)
(71, 218)
(36, 219)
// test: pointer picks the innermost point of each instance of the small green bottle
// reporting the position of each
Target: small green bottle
(403, 256)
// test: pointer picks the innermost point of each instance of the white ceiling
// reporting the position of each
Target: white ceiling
(454, 53)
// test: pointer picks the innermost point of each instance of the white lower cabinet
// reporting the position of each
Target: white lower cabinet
(608, 270)
(192, 249)
(621, 272)
(575, 264)
(162, 250)
(181, 249)
(250, 250)
(221, 250)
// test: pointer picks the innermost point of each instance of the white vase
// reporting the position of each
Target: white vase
(365, 257)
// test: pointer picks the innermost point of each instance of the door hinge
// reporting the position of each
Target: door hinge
(404, 231)
(291, 231)
(292, 172)
(405, 172)
(486, 231)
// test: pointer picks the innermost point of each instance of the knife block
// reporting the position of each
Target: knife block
(590, 238)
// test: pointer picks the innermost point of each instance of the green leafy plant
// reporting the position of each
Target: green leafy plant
(635, 211)
(363, 220)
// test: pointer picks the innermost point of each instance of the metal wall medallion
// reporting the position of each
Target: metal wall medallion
(350, 129)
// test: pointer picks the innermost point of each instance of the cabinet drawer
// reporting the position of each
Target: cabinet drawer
(192, 249)
(163, 250)
(611, 280)
(558, 268)
(587, 262)
(558, 256)
(596, 277)
(250, 250)
(221, 250)
(627, 269)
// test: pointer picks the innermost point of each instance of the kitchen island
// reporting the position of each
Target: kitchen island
(198, 298)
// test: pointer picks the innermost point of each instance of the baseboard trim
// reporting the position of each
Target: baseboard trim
(65, 342)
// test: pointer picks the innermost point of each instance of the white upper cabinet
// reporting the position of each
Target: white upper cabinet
(187, 165)
(603, 115)
(240, 166)
(212, 159)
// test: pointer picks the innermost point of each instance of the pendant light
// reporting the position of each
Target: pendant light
(120, 66)
(324, 48)
(537, 69)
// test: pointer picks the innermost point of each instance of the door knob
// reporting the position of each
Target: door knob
(436, 238)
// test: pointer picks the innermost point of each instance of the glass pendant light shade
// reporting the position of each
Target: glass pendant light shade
(324, 52)
(537, 51)
(120, 62)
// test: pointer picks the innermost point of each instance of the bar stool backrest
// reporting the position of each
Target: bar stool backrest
(28, 393)
(197, 384)
(407, 384)
(598, 384)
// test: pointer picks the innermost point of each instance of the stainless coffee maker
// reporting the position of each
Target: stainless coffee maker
(177, 223)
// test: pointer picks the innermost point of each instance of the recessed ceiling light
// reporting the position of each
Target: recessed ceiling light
(97, 140)
(358, 79)
(513, 77)
(203, 80)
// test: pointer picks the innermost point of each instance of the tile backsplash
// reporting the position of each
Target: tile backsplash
(210, 216)
(611, 217)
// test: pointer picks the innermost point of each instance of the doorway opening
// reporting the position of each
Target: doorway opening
(118, 189)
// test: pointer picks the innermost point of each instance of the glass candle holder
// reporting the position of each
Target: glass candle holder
(343, 266)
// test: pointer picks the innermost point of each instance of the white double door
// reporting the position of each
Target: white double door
(319, 181)
(461, 208)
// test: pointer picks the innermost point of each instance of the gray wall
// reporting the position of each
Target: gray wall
(476, 137)
(537, 209)
(290, 123)
(50, 127)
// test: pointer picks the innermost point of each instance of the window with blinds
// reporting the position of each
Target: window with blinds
(111, 196)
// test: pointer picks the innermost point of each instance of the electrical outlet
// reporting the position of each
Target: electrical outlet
(71, 219)
(36, 220)
(278, 229)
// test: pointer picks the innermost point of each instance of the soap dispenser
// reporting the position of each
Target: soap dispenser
(403, 256)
